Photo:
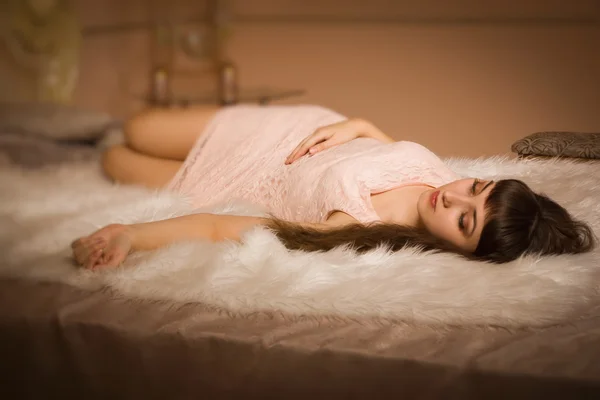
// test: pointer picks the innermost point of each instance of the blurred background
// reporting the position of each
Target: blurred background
(464, 77)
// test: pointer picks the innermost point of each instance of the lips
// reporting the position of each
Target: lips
(434, 198)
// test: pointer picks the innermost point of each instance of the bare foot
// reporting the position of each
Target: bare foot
(105, 248)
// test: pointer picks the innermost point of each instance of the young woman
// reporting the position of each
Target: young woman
(325, 181)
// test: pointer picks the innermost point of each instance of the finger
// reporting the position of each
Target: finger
(95, 238)
(316, 146)
(93, 259)
(111, 260)
(292, 155)
(84, 241)
(98, 244)
(305, 149)
(89, 249)
(307, 144)
(83, 244)
(315, 149)
(84, 247)
(318, 135)
(78, 254)
(322, 146)
(101, 262)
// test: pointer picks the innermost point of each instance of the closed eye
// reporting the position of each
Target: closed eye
(474, 187)
(461, 219)
(461, 222)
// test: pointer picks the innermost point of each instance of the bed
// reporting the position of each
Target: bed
(199, 320)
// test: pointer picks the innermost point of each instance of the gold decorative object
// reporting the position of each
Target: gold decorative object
(43, 36)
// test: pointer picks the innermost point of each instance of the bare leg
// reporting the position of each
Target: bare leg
(167, 133)
(127, 166)
(156, 144)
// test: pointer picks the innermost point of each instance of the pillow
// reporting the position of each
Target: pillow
(54, 121)
(559, 144)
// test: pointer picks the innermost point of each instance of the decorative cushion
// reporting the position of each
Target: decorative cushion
(55, 121)
(559, 144)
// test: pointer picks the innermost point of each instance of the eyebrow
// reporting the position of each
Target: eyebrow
(475, 211)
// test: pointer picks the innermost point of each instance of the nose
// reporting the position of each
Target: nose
(452, 198)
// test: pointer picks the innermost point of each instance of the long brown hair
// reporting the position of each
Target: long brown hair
(518, 222)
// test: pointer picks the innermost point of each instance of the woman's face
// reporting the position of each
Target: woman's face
(456, 212)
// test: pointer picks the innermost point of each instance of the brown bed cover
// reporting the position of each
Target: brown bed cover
(59, 341)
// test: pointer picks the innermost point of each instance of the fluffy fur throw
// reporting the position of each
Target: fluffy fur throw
(43, 210)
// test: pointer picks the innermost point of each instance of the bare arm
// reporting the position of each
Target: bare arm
(213, 227)
(336, 134)
(109, 246)
(370, 130)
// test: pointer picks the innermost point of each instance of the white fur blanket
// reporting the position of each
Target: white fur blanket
(43, 210)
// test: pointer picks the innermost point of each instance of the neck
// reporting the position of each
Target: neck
(399, 206)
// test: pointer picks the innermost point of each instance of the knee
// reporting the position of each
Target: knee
(138, 128)
(112, 160)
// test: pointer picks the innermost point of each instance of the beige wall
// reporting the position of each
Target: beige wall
(460, 88)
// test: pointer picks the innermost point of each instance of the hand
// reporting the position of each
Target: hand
(105, 248)
(330, 136)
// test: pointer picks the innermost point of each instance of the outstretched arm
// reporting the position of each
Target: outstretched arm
(110, 246)
(212, 227)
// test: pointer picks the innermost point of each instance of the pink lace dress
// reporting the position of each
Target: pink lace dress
(241, 155)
